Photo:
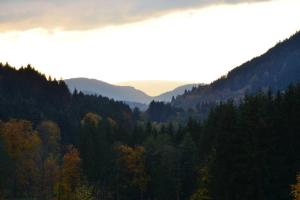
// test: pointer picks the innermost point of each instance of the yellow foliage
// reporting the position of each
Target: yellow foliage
(133, 161)
(112, 122)
(50, 136)
(24, 146)
(70, 174)
(84, 192)
(20, 138)
(296, 189)
(51, 175)
(91, 119)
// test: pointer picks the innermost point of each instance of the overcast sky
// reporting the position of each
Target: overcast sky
(121, 40)
(88, 14)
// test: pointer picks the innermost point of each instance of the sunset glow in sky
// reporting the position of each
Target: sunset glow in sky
(195, 43)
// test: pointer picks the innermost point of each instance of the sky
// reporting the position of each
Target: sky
(154, 87)
(193, 41)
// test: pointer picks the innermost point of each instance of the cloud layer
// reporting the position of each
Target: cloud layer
(88, 14)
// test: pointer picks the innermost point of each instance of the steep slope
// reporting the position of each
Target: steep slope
(121, 93)
(275, 69)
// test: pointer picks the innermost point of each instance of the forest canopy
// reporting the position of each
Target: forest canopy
(58, 145)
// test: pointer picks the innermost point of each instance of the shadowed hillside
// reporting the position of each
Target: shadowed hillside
(27, 94)
(275, 69)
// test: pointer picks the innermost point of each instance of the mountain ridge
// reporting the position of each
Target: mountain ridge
(120, 93)
(127, 94)
(275, 69)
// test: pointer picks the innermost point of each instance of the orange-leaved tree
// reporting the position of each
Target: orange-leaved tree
(296, 188)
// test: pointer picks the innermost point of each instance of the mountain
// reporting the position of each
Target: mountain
(275, 70)
(128, 94)
(120, 93)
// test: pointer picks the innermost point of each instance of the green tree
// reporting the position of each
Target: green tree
(188, 165)
(163, 165)
(97, 151)
(49, 133)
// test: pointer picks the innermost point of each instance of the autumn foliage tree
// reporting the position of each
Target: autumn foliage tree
(37, 169)
(132, 162)
(70, 176)
(296, 188)
(5, 169)
(23, 145)
(49, 133)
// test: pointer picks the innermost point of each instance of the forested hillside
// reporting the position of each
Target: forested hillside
(254, 148)
(27, 94)
(75, 146)
(168, 96)
(275, 69)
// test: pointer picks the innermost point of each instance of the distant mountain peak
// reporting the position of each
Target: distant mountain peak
(127, 94)
(120, 93)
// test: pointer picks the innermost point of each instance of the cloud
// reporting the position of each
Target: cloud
(88, 14)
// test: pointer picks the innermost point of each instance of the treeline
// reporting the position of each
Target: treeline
(153, 162)
(246, 151)
(96, 148)
(147, 164)
(251, 151)
(162, 112)
(27, 94)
